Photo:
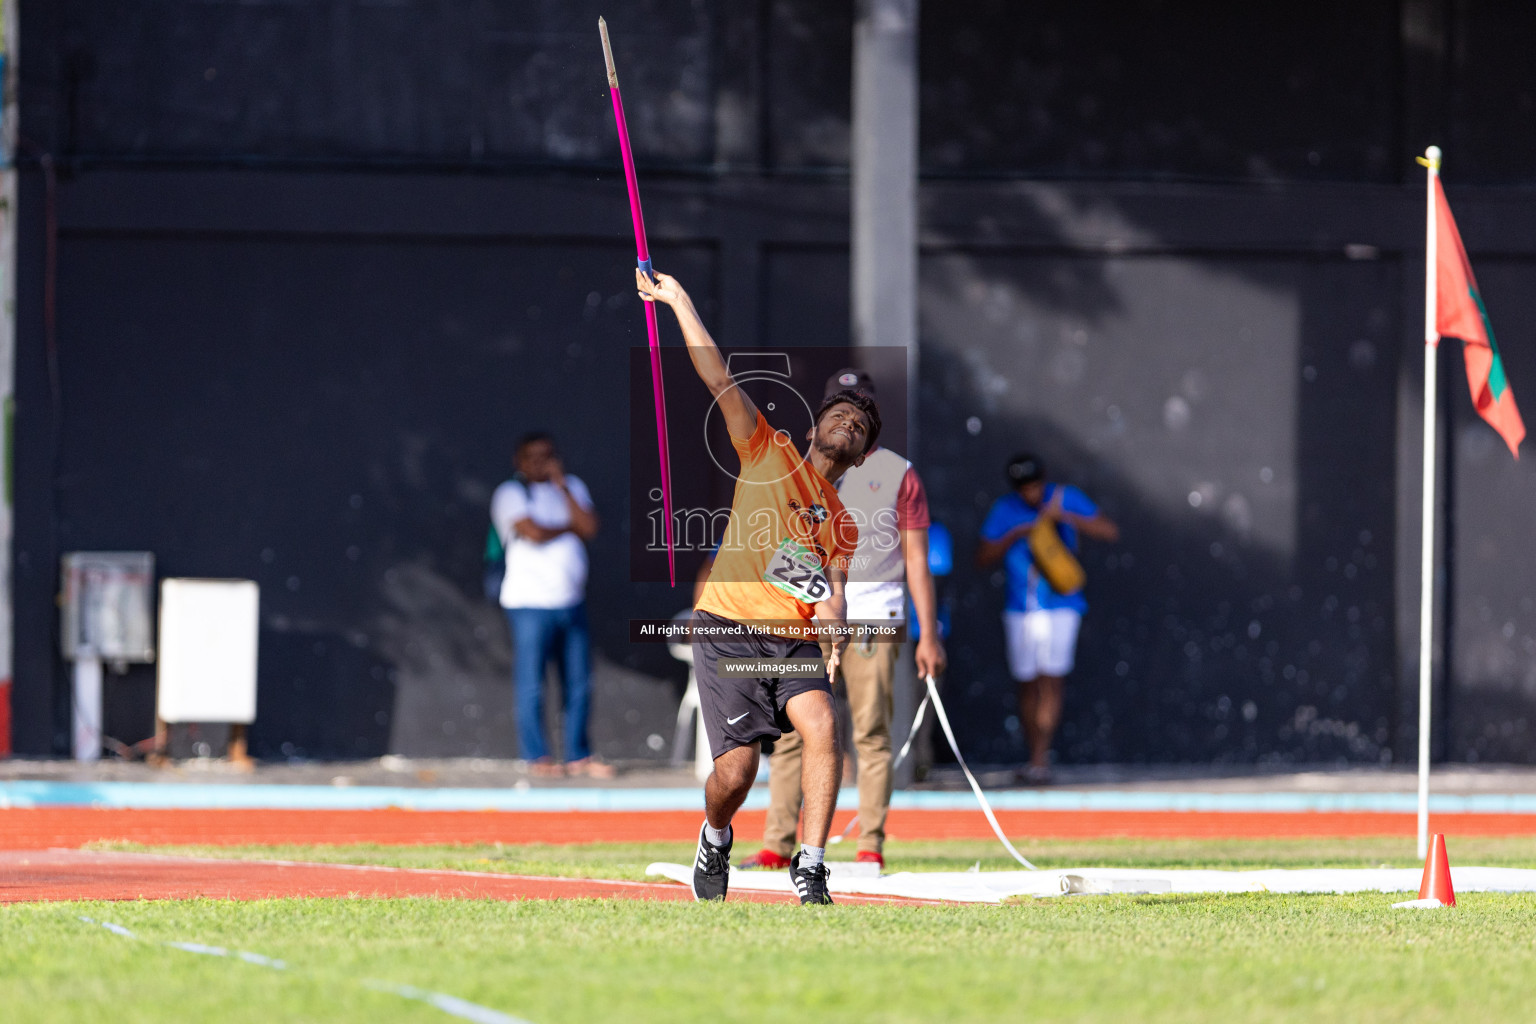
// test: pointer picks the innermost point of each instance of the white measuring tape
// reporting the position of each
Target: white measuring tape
(917, 720)
(451, 1005)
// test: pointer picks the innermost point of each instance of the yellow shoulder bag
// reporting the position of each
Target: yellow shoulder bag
(1056, 563)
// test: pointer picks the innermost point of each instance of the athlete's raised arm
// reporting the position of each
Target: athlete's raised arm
(740, 414)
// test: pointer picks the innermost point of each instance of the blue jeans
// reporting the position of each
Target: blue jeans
(538, 634)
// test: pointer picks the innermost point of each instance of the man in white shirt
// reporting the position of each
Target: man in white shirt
(544, 518)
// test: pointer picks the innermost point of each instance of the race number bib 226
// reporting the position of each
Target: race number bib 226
(796, 570)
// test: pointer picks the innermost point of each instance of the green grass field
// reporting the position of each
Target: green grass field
(1185, 958)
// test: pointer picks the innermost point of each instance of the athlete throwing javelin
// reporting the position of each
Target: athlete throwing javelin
(783, 562)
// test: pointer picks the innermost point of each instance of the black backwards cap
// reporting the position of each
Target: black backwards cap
(1025, 469)
(850, 379)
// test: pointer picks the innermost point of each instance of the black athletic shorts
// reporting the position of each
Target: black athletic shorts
(738, 710)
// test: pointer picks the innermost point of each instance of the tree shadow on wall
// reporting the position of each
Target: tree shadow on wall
(1200, 643)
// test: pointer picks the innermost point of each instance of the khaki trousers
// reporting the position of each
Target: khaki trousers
(867, 672)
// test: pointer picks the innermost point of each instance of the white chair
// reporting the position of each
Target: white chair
(688, 712)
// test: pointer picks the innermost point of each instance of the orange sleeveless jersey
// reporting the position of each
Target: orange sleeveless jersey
(780, 497)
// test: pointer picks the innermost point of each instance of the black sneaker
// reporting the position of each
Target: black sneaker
(711, 869)
(810, 883)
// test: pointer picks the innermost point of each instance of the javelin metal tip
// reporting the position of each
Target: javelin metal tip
(613, 76)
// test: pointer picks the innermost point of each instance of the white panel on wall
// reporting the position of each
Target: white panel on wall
(208, 631)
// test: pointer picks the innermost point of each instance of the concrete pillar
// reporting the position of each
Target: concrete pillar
(884, 246)
(885, 175)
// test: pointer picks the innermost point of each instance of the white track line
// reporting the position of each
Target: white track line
(381, 868)
(451, 1005)
(860, 898)
(448, 1004)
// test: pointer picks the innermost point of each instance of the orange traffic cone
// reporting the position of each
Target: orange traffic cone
(1437, 874)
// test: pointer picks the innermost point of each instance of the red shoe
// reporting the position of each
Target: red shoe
(869, 857)
(764, 860)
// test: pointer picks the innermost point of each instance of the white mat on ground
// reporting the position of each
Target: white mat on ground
(995, 886)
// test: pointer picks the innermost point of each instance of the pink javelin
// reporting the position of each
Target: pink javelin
(643, 259)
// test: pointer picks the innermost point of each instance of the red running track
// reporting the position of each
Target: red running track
(38, 876)
(51, 827)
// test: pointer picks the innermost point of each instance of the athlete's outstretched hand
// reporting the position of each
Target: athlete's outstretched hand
(664, 289)
(836, 657)
(833, 612)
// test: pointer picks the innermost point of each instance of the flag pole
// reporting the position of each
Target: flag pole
(1431, 162)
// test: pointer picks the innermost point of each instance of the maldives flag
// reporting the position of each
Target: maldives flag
(1459, 313)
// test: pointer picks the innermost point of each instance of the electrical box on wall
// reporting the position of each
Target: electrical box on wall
(108, 606)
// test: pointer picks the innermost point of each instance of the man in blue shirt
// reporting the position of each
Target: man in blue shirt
(1039, 624)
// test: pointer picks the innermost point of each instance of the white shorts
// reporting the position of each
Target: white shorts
(1041, 643)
